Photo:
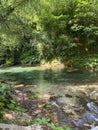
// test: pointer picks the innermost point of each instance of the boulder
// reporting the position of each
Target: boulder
(16, 127)
(93, 107)
(17, 118)
(63, 101)
(94, 96)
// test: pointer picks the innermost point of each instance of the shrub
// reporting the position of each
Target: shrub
(7, 102)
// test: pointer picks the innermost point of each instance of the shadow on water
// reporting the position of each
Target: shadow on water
(29, 75)
(47, 81)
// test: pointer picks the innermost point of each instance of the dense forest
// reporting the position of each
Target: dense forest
(37, 31)
(34, 33)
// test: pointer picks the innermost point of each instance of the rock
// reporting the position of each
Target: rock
(93, 107)
(53, 103)
(34, 127)
(80, 123)
(95, 128)
(17, 118)
(94, 96)
(16, 127)
(88, 118)
(62, 101)
(22, 119)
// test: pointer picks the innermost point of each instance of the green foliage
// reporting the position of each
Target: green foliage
(9, 62)
(47, 106)
(71, 28)
(92, 62)
(30, 55)
(50, 124)
(7, 101)
(85, 62)
(65, 29)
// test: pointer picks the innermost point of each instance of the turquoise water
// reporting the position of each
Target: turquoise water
(45, 80)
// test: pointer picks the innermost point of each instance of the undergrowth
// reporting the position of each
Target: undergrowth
(7, 102)
(48, 123)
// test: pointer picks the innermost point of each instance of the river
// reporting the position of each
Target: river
(47, 81)
(69, 88)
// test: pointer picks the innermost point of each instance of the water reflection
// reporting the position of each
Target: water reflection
(47, 80)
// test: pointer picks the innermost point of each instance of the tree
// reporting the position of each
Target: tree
(48, 30)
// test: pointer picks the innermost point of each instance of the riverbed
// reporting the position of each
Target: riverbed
(66, 88)
(48, 81)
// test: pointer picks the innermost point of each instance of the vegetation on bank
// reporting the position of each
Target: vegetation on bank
(35, 31)
(50, 124)
(40, 31)
(9, 103)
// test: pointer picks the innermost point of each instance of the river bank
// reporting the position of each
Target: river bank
(61, 110)
(38, 90)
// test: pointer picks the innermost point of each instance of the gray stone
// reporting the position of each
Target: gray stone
(93, 107)
(87, 118)
(16, 127)
(94, 96)
(63, 101)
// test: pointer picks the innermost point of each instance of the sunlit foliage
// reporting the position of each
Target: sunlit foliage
(33, 30)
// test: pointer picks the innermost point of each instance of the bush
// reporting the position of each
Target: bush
(89, 62)
(9, 62)
(7, 102)
(30, 56)
(29, 60)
